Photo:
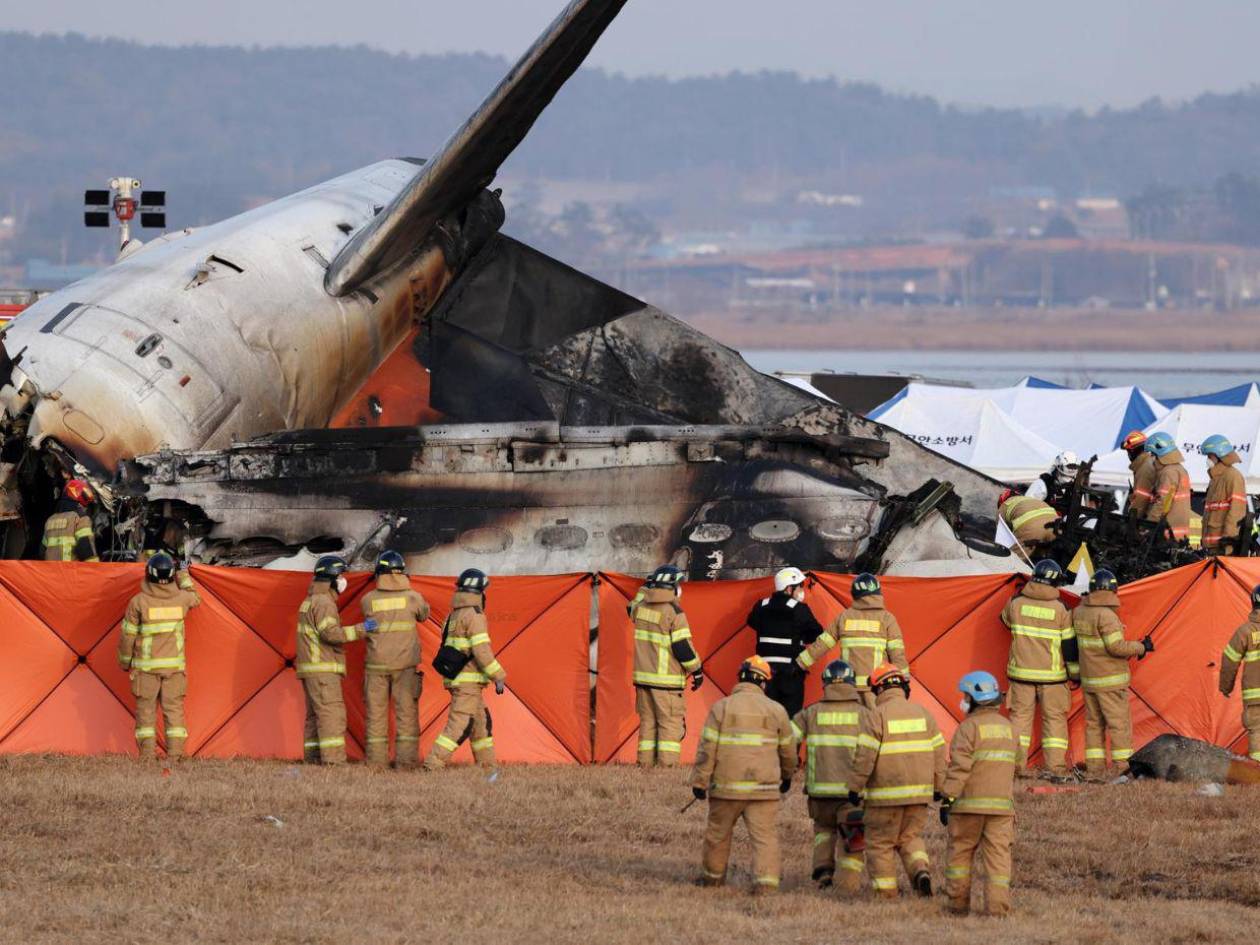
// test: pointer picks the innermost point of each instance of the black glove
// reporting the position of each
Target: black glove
(855, 799)
(785, 785)
(699, 793)
(697, 680)
(1148, 645)
(1074, 684)
(937, 796)
(945, 812)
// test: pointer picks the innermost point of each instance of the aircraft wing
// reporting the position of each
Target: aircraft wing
(471, 157)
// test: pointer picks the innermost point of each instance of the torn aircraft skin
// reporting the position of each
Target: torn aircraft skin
(192, 383)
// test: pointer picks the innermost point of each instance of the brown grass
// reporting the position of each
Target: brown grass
(106, 850)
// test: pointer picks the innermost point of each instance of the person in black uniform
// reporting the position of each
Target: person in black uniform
(785, 626)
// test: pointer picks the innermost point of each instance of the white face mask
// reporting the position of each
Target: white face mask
(678, 593)
(965, 705)
(340, 584)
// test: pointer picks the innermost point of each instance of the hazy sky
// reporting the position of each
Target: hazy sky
(1004, 52)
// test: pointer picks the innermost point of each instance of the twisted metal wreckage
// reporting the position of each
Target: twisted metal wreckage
(194, 383)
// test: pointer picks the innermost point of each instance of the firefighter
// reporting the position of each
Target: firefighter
(663, 658)
(469, 665)
(785, 625)
(1142, 465)
(746, 759)
(393, 659)
(321, 661)
(1225, 505)
(1104, 660)
(828, 731)
(1171, 503)
(868, 635)
(900, 765)
(1030, 520)
(978, 805)
(1043, 657)
(68, 531)
(1244, 649)
(151, 650)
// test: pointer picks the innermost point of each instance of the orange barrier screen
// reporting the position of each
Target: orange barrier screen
(61, 689)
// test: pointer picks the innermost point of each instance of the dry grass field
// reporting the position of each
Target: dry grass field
(106, 850)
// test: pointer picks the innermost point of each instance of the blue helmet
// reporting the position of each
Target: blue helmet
(1160, 444)
(1216, 445)
(981, 687)
(839, 671)
(864, 585)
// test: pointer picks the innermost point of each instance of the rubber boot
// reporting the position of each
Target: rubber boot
(922, 883)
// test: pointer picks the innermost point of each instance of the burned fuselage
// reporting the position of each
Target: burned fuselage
(724, 502)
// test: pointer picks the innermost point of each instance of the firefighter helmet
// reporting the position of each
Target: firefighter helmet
(754, 669)
(886, 675)
(980, 687)
(788, 578)
(1216, 445)
(330, 567)
(1103, 580)
(666, 576)
(160, 568)
(1255, 596)
(1066, 460)
(473, 581)
(1047, 572)
(839, 671)
(79, 491)
(390, 562)
(864, 585)
(1161, 444)
(1134, 439)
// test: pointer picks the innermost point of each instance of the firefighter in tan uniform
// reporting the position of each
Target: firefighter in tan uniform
(393, 659)
(68, 531)
(152, 651)
(468, 664)
(1030, 520)
(1225, 505)
(1043, 657)
(321, 662)
(1171, 503)
(1105, 655)
(663, 658)
(828, 730)
(868, 634)
(899, 766)
(1243, 650)
(746, 759)
(978, 805)
(1142, 465)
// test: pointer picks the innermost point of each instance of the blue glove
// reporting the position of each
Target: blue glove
(370, 625)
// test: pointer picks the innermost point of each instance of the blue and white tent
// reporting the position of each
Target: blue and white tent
(1244, 395)
(1088, 422)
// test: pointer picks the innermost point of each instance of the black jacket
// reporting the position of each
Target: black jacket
(784, 627)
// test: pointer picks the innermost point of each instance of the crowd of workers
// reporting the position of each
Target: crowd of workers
(1160, 494)
(874, 761)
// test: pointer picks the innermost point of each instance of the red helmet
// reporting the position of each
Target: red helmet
(1006, 494)
(80, 491)
(1133, 440)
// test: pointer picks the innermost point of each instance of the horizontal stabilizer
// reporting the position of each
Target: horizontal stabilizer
(471, 157)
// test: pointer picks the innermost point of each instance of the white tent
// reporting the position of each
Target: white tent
(1088, 422)
(1189, 425)
(973, 431)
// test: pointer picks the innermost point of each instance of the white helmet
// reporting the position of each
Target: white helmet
(1066, 460)
(788, 577)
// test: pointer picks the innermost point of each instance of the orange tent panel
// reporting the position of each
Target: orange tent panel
(81, 603)
(79, 717)
(35, 662)
(519, 736)
(267, 726)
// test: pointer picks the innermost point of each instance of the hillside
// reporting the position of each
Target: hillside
(222, 128)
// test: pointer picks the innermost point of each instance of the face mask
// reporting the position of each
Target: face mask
(678, 593)
(799, 593)
(965, 705)
(340, 584)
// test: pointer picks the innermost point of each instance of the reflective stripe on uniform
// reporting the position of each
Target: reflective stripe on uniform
(669, 747)
(447, 744)
(994, 754)
(388, 603)
(910, 747)
(906, 726)
(488, 742)
(1054, 743)
(978, 805)
(660, 680)
(744, 787)
(176, 732)
(899, 792)
(321, 668)
(1117, 679)
(836, 718)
